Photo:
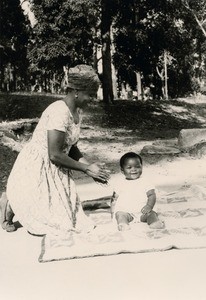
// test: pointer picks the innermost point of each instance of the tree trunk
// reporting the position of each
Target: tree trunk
(114, 76)
(2, 85)
(139, 86)
(95, 60)
(106, 21)
(165, 72)
(95, 50)
(114, 82)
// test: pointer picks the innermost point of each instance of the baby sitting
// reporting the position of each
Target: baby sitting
(134, 197)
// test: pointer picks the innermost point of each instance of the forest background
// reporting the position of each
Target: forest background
(140, 49)
(150, 57)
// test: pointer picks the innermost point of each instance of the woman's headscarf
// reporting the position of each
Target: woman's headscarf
(82, 77)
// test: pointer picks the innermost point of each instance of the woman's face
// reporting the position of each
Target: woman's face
(83, 98)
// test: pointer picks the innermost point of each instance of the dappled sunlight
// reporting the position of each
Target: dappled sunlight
(200, 98)
(172, 108)
(106, 133)
(182, 113)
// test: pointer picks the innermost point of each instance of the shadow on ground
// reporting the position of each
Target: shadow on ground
(117, 126)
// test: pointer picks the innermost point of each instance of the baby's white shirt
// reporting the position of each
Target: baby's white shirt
(132, 194)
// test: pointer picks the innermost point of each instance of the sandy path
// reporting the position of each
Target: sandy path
(171, 275)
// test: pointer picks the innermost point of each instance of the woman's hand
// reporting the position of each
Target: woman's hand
(98, 172)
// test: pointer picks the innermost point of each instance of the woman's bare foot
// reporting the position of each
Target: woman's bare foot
(123, 227)
(9, 226)
(6, 215)
(3, 205)
(157, 225)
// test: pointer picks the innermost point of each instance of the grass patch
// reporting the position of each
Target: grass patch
(21, 106)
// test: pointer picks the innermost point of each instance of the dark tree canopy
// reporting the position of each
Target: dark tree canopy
(14, 37)
(63, 34)
(162, 40)
(144, 30)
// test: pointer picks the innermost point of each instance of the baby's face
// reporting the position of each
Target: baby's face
(132, 168)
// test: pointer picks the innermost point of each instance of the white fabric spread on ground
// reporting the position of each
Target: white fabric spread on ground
(183, 212)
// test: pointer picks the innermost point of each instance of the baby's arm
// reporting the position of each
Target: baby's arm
(151, 200)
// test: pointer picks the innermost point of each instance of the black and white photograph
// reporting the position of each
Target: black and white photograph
(102, 109)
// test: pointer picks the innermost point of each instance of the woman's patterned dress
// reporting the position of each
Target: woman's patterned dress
(42, 195)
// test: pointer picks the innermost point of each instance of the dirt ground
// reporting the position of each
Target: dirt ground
(107, 133)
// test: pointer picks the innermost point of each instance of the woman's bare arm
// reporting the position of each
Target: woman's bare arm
(56, 141)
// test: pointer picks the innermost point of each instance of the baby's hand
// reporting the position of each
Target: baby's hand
(146, 209)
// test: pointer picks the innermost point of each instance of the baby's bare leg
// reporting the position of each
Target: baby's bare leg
(152, 217)
(123, 220)
(152, 220)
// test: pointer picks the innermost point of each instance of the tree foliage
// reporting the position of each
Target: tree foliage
(162, 41)
(63, 34)
(14, 37)
(144, 30)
